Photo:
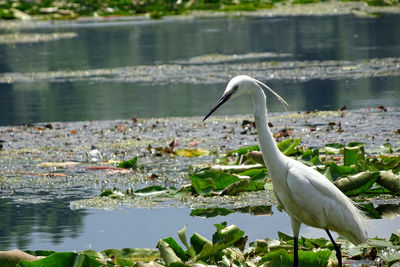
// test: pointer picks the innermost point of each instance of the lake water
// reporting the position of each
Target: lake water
(119, 70)
(53, 226)
(305, 65)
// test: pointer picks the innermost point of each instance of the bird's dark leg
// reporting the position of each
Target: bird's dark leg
(296, 252)
(296, 229)
(337, 248)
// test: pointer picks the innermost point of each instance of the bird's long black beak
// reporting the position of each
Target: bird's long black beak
(220, 102)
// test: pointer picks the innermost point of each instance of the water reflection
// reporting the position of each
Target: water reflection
(53, 226)
(72, 101)
(22, 223)
(115, 45)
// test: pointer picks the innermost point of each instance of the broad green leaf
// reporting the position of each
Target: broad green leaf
(132, 254)
(379, 243)
(306, 258)
(167, 253)
(390, 181)
(128, 164)
(41, 252)
(198, 242)
(284, 237)
(222, 180)
(243, 150)
(203, 186)
(288, 146)
(316, 161)
(311, 243)
(387, 163)
(90, 252)
(335, 171)
(151, 190)
(333, 148)
(310, 154)
(257, 178)
(182, 236)
(255, 173)
(356, 144)
(204, 182)
(176, 248)
(236, 188)
(228, 235)
(62, 259)
(220, 226)
(377, 189)
(124, 262)
(222, 239)
(358, 183)
(352, 155)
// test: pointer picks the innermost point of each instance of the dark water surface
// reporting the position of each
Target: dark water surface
(53, 225)
(118, 45)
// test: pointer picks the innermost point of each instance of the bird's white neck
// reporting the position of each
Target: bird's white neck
(273, 157)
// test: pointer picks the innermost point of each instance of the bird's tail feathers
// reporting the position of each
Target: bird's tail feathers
(363, 221)
(363, 216)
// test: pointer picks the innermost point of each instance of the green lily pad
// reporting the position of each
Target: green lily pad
(167, 253)
(390, 181)
(335, 171)
(204, 182)
(333, 148)
(288, 146)
(62, 259)
(352, 155)
(358, 183)
(306, 258)
(222, 239)
(198, 242)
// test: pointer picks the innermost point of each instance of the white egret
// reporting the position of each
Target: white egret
(305, 194)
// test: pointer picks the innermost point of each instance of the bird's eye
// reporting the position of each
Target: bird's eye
(235, 88)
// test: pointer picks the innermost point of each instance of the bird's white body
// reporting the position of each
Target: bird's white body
(305, 194)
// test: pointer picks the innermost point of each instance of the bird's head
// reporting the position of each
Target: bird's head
(239, 85)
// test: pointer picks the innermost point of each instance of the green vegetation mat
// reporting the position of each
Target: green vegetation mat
(228, 247)
(219, 181)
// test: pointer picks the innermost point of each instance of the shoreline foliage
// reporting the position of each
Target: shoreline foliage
(72, 9)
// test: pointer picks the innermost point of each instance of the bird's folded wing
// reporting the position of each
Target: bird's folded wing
(317, 199)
